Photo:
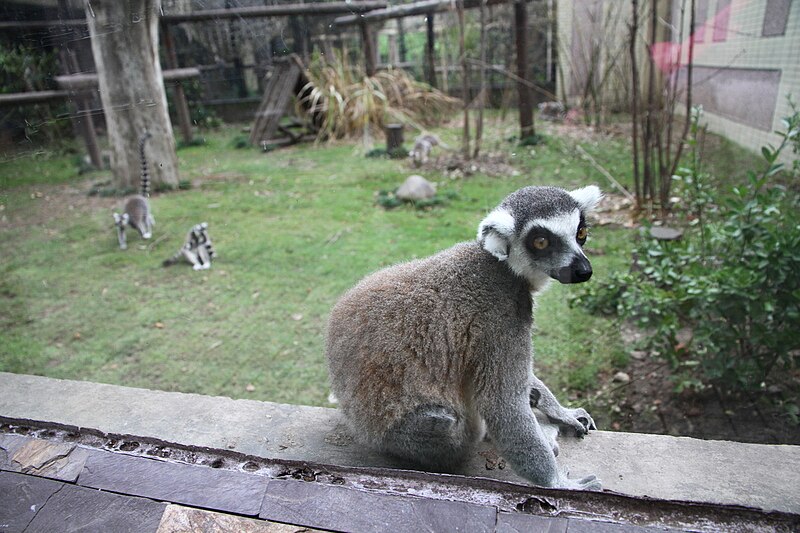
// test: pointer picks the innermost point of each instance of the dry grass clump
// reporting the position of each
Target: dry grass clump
(345, 103)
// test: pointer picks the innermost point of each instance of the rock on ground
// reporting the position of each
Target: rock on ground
(416, 188)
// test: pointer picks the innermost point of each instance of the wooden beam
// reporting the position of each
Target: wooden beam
(317, 8)
(27, 25)
(311, 9)
(423, 7)
(84, 82)
(32, 97)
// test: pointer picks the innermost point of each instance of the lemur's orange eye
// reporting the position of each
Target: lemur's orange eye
(540, 243)
(582, 233)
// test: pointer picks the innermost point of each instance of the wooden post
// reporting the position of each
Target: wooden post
(370, 55)
(525, 105)
(181, 106)
(430, 69)
(401, 33)
(83, 120)
(394, 137)
(394, 56)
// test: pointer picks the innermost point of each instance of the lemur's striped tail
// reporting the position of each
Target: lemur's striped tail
(145, 175)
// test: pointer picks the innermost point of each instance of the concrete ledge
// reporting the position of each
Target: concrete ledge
(658, 466)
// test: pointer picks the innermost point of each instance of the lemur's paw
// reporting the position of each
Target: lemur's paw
(197, 267)
(578, 420)
(586, 483)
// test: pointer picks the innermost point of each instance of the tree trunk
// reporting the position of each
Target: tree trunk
(464, 79)
(633, 36)
(124, 37)
(483, 96)
(526, 127)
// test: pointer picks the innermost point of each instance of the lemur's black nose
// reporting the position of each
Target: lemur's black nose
(582, 269)
(578, 271)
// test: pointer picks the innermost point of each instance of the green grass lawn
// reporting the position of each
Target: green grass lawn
(293, 229)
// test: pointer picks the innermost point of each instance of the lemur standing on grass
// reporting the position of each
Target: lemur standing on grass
(137, 211)
(427, 356)
(197, 250)
(423, 146)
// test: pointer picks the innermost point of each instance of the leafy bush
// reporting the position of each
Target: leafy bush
(733, 279)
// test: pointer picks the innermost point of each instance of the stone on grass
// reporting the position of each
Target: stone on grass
(663, 233)
(416, 188)
(621, 377)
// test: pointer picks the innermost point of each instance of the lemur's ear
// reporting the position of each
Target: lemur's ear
(587, 197)
(495, 233)
(117, 218)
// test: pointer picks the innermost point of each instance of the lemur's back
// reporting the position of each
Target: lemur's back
(402, 336)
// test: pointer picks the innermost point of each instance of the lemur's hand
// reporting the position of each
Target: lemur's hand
(576, 419)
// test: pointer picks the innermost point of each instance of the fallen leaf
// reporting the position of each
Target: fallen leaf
(158, 325)
(77, 335)
(250, 387)
(297, 316)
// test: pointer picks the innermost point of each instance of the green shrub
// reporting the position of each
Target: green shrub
(733, 279)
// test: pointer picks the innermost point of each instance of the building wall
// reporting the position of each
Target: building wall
(746, 60)
(746, 63)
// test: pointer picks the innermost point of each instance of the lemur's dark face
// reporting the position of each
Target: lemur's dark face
(540, 232)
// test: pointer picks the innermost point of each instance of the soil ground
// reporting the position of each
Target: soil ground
(649, 404)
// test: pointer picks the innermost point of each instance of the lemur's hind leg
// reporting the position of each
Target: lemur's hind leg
(192, 258)
(432, 436)
(204, 257)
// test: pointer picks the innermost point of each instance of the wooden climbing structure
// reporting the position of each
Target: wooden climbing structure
(285, 81)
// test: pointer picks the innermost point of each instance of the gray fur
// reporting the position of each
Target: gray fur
(423, 145)
(136, 211)
(424, 356)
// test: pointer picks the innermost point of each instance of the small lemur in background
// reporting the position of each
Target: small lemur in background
(197, 250)
(423, 146)
(136, 211)
(426, 357)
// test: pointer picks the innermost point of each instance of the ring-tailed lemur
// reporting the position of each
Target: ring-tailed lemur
(137, 211)
(423, 146)
(425, 356)
(197, 249)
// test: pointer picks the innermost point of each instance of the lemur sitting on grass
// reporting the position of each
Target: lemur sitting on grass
(197, 250)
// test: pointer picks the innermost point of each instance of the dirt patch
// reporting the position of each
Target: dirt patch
(454, 166)
(642, 399)
(614, 210)
(56, 202)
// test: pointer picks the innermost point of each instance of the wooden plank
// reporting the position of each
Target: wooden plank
(32, 97)
(316, 8)
(277, 97)
(312, 9)
(409, 10)
(83, 82)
